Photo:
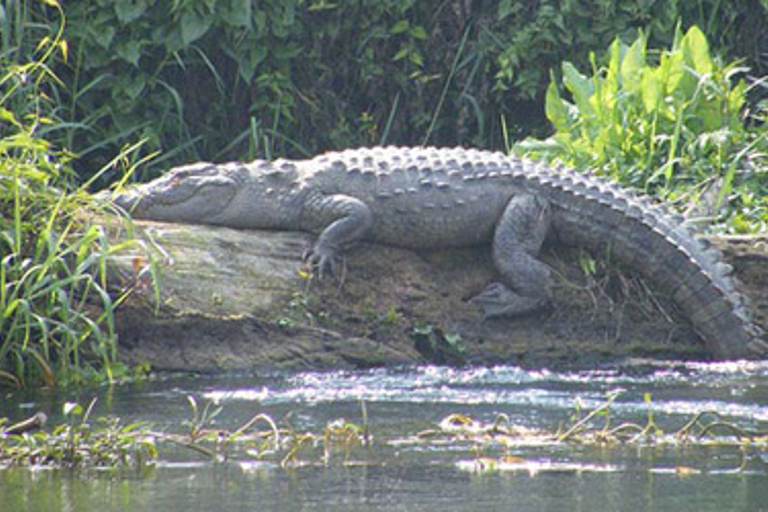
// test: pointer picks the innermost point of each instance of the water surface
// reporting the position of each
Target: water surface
(399, 473)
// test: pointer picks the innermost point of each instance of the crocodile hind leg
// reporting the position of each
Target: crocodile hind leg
(526, 282)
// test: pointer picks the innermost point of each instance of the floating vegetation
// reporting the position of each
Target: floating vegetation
(595, 429)
(262, 442)
(108, 442)
(76, 442)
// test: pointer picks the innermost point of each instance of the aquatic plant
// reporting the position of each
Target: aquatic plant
(591, 429)
(77, 442)
(497, 445)
(283, 444)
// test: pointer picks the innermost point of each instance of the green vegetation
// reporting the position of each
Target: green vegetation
(116, 89)
(236, 79)
(437, 345)
(107, 442)
(674, 127)
(56, 313)
(78, 443)
(595, 428)
(82, 442)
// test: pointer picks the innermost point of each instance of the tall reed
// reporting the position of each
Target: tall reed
(56, 313)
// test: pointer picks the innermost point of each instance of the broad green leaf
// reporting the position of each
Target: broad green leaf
(652, 90)
(249, 62)
(400, 27)
(135, 86)
(103, 36)
(672, 74)
(400, 55)
(632, 66)
(737, 96)
(580, 87)
(129, 51)
(287, 51)
(415, 57)
(238, 14)
(604, 101)
(696, 51)
(194, 26)
(710, 115)
(504, 9)
(555, 108)
(129, 10)
(418, 32)
(616, 53)
(260, 20)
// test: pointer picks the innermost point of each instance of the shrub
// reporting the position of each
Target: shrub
(673, 123)
(237, 79)
(56, 315)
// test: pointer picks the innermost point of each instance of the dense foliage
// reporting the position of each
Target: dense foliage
(56, 315)
(674, 123)
(81, 88)
(230, 79)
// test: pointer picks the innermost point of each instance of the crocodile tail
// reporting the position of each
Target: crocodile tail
(637, 232)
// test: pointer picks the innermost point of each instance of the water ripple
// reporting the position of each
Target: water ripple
(735, 389)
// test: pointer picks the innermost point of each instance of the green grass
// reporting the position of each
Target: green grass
(57, 323)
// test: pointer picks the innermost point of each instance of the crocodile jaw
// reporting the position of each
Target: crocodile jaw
(192, 194)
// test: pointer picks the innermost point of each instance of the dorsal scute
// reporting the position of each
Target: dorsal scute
(277, 170)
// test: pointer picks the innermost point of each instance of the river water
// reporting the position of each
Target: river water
(403, 471)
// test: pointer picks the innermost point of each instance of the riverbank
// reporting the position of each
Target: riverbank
(233, 299)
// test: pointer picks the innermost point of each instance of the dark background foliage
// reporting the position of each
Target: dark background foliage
(238, 79)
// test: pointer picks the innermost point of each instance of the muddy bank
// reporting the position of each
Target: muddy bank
(233, 299)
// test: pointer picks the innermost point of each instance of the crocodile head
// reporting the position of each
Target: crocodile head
(189, 193)
(258, 194)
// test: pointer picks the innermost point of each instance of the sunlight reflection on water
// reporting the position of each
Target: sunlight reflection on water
(739, 389)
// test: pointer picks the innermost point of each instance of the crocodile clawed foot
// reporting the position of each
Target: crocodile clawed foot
(498, 300)
(323, 262)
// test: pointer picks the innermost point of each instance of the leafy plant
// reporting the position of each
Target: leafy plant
(671, 123)
(237, 79)
(56, 313)
(438, 346)
(78, 443)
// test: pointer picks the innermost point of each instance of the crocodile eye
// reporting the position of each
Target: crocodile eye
(177, 177)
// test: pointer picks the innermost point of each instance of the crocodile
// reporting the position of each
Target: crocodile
(432, 198)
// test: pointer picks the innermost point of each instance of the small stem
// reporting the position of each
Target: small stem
(577, 426)
(264, 417)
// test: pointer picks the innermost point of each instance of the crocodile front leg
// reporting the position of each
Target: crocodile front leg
(341, 221)
(527, 284)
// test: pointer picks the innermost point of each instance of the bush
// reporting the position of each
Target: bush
(56, 316)
(236, 79)
(671, 123)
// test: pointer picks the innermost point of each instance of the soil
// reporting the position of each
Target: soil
(231, 299)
